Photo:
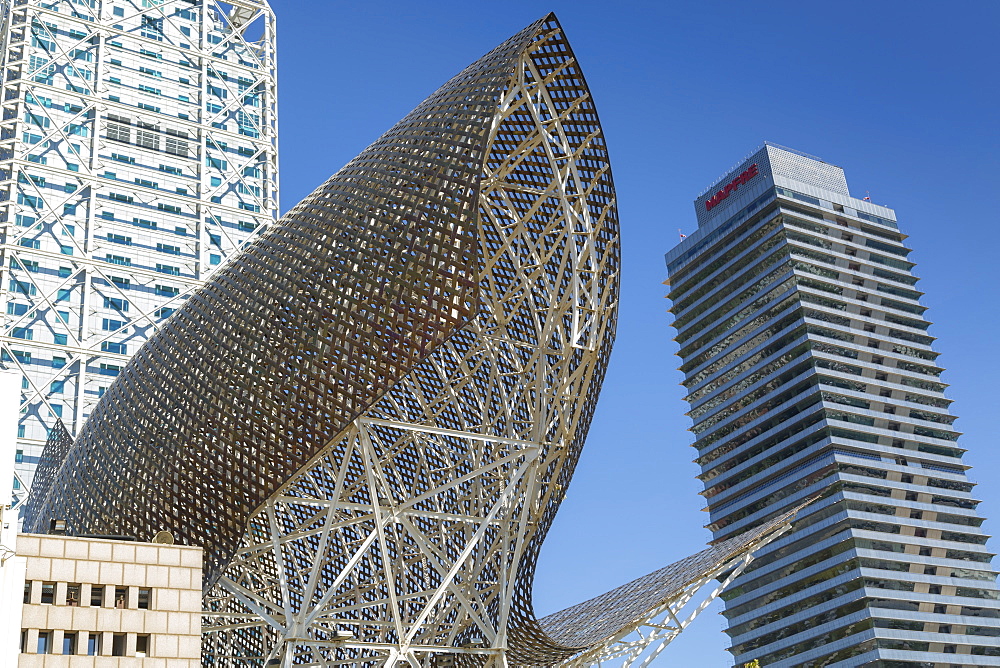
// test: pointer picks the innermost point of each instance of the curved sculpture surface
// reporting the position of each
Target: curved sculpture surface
(369, 418)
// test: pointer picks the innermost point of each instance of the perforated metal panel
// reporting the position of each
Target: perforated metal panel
(292, 340)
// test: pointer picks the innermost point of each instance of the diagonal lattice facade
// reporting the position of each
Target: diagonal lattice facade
(370, 417)
(138, 152)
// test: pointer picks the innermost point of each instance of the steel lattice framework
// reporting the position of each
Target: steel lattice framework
(71, 74)
(370, 417)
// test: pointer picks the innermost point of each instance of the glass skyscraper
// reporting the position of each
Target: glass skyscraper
(810, 373)
(138, 151)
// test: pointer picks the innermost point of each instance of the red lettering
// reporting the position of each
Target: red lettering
(748, 174)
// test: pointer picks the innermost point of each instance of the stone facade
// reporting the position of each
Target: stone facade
(101, 602)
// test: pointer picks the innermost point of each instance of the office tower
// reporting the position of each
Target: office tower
(137, 151)
(810, 372)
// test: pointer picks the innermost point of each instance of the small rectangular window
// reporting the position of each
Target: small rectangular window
(114, 347)
(94, 644)
(121, 597)
(145, 598)
(142, 645)
(116, 303)
(73, 594)
(69, 643)
(44, 642)
(97, 596)
(118, 259)
(118, 644)
(48, 592)
(27, 584)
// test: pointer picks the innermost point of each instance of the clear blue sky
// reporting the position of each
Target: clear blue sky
(902, 95)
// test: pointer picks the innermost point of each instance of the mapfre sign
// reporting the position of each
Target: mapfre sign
(750, 172)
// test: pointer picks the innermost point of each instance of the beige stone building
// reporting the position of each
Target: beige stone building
(115, 603)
